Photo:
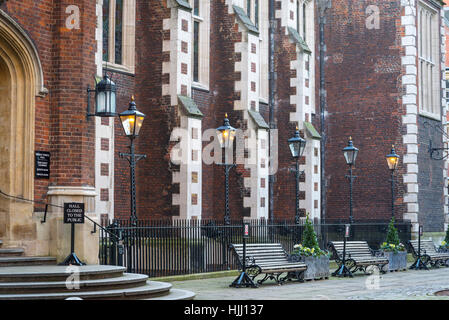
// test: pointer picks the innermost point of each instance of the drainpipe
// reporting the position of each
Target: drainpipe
(323, 5)
(272, 101)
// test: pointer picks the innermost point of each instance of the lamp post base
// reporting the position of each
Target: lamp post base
(72, 259)
(418, 265)
(343, 271)
(243, 280)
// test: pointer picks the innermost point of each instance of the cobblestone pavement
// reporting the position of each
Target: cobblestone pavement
(404, 285)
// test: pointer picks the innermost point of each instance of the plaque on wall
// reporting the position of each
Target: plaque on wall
(42, 165)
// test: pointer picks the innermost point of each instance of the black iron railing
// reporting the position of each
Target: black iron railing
(44, 220)
(165, 248)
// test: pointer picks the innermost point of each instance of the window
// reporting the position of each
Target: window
(298, 24)
(304, 21)
(252, 11)
(200, 42)
(119, 34)
(428, 66)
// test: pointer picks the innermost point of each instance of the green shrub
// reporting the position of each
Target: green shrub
(309, 246)
(392, 242)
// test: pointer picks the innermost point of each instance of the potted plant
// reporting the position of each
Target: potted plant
(310, 253)
(444, 247)
(394, 250)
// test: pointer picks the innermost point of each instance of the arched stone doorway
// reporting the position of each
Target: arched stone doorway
(21, 81)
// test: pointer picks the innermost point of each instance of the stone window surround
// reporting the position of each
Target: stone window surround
(204, 43)
(432, 61)
(128, 41)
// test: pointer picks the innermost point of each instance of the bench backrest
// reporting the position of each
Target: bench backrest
(426, 246)
(261, 252)
(354, 248)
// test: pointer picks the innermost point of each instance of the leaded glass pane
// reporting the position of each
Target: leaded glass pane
(118, 30)
(196, 62)
(106, 30)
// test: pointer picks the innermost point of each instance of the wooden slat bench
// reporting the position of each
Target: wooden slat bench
(429, 254)
(359, 256)
(270, 259)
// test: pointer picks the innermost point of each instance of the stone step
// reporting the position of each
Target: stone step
(8, 252)
(176, 294)
(150, 290)
(73, 284)
(47, 273)
(26, 261)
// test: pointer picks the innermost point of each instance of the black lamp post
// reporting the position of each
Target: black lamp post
(226, 136)
(392, 161)
(105, 98)
(297, 146)
(350, 153)
(132, 121)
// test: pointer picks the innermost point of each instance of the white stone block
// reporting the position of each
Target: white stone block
(412, 129)
(409, 79)
(410, 158)
(411, 69)
(408, 60)
(410, 178)
(410, 138)
(412, 207)
(409, 99)
(412, 188)
(411, 197)
(412, 148)
(409, 119)
(408, 20)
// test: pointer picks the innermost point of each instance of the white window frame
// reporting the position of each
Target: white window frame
(203, 18)
(429, 73)
(128, 37)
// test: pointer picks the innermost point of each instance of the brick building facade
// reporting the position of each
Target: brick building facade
(385, 87)
(188, 64)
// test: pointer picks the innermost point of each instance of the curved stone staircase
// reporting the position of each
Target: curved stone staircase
(39, 278)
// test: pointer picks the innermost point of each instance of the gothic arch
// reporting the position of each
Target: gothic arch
(22, 66)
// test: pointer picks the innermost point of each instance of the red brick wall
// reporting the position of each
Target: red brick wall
(68, 62)
(363, 74)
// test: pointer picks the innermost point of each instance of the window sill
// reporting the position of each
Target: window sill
(107, 66)
(429, 115)
(200, 86)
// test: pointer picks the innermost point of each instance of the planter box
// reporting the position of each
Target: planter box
(317, 268)
(397, 261)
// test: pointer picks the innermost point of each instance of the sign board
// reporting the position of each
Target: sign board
(347, 230)
(74, 212)
(246, 230)
(420, 230)
(42, 165)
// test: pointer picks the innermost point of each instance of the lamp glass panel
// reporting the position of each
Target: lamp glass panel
(113, 104)
(350, 156)
(101, 102)
(128, 123)
(294, 148)
(139, 122)
(392, 162)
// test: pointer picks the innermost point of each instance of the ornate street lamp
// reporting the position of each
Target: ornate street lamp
(132, 121)
(350, 153)
(226, 136)
(105, 98)
(297, 146)
(392, 161)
